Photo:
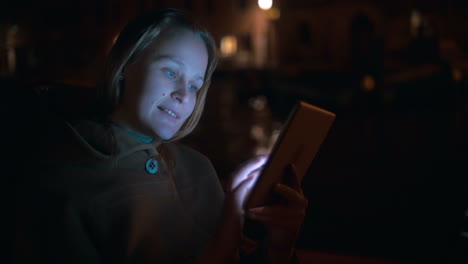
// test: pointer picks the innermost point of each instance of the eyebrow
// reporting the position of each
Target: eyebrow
(176, 61)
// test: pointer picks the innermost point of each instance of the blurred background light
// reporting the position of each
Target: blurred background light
(368, 83)
(265, 4)
(228, 45)
(416, 21)
(457, 75)
(273, 13)
(258, 103)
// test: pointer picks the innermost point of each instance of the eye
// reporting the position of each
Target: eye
(193, 87)
(170, 74)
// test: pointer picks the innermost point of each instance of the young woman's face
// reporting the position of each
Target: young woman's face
(161, 85)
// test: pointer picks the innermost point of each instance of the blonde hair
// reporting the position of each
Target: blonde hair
(135, 38)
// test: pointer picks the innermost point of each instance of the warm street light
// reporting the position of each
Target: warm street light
(228, 45)
(265, 4)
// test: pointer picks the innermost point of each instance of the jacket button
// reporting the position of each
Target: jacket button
(152, 166)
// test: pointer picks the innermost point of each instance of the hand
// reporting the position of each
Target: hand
(241, 182)
(283, 219)
(225, 244)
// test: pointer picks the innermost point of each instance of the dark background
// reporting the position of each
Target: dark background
(390, 180)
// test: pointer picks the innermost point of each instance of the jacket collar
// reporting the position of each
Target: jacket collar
(105, 140)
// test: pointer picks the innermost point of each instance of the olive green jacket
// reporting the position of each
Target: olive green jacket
(80, 203)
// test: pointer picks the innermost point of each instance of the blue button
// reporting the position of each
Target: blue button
(152, 166)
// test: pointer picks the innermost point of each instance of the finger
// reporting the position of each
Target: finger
(242, 183)
(277, 216)
(244, 188)
(252, 164)
(248, 167)
(240, 192)
(291, 195)
(292, 225)
(277, 212)
(289, 223)
(251, 176)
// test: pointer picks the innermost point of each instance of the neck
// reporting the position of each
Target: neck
(144, 139)
(131, 130)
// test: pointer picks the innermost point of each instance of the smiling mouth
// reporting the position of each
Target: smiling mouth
(169, 112)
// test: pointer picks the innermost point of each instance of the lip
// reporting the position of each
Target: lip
(162, 108)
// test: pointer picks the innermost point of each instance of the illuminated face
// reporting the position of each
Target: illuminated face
(161, 85)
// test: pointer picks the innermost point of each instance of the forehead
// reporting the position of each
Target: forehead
(182, 44)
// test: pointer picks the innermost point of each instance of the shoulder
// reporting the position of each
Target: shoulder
(57, 143)
(60, 140)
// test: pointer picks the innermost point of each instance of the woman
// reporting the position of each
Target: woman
(118, 189)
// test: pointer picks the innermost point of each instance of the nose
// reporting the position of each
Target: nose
(180, 92)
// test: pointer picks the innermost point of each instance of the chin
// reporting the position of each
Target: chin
(166, 137)
(165, 134)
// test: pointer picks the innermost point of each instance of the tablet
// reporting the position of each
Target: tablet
(298, 143)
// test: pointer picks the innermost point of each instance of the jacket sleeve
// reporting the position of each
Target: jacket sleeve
(53, 232)
(78, 246)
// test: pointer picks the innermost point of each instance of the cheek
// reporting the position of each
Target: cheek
(193, 107)
(154, 101)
